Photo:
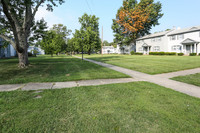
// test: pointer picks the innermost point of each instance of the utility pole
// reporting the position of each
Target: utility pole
(82, 48)
(102, 42)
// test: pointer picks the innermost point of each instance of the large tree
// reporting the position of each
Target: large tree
(90, 32)
(17, 21)
(135, 19)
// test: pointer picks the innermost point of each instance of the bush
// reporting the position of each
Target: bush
(199, 54)
(170, 53)
(180, 54)
(132, 52)
(162, 53)
(193, 54)
(136, 53)
(30, 54)
(35, 52)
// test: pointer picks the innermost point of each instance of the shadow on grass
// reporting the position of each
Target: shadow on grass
(56, 69)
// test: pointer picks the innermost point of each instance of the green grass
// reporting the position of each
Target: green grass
(131, 107)
(56, 69)
(150, 64)
(190, 79)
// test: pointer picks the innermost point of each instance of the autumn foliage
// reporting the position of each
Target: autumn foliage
(134, 20)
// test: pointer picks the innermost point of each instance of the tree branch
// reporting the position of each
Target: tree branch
(36, 7)
(9, 15)
(8, 40)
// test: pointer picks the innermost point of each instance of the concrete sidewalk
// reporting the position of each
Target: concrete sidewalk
(179, 73)
(160, 79)
(60, 85)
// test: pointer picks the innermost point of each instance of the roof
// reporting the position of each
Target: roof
(188, 40)
(145, 45)
(158, 34)
(108, 46)
(185, 30)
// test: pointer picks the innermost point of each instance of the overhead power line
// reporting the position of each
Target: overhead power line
(89, 6)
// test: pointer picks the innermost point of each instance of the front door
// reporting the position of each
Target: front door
(145, 50)
(187, 49)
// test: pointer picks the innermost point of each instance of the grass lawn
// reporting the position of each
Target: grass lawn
(131, 107)
(150, 64)
(56, 69)
(190, 79)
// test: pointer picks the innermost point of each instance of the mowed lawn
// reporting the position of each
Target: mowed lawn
(126, 108)
(150, 64)
(53, 69)
(190, 79)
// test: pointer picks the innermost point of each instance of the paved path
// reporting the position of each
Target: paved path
(179, 73)
(59, 85)
(161, 79)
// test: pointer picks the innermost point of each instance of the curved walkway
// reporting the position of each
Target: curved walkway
(160, 79)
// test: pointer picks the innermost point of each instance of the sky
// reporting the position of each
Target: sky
(177, 13)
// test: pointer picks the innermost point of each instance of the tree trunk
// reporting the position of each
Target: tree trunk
(23, 58)
(89, 51)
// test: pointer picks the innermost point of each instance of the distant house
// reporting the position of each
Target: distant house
(177, 40)
(108, 50)
(126, 49)
(6, 52)
(32, 48)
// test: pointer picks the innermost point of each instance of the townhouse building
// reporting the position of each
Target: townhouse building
(185, 41)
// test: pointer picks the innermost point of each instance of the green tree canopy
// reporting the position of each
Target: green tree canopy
(54, 41)
(90, 32)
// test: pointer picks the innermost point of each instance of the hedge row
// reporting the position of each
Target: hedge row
(136, 53)
(162, 53)
(193, 54)
(180, 54)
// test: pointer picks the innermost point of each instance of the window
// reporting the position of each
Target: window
(140, 49)
(173, 38)
(156, 48)
(153, 40)
(180, 37)
(159, 39)
(176, 48)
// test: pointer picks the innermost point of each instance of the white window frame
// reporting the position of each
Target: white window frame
(176, 48)
(172, 38)
(153, 40)
(156, 48)
(159, 39)
(180, 37)
(140, 49)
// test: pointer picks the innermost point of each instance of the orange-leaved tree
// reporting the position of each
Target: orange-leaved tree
(135, 19)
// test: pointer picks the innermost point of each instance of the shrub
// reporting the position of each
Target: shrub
(132, 52)
(193, 54)
(180, 54)
(170, 53)
(35, 52)
(138, 53)
(30, 54)
(162, 53)
(199, 54)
